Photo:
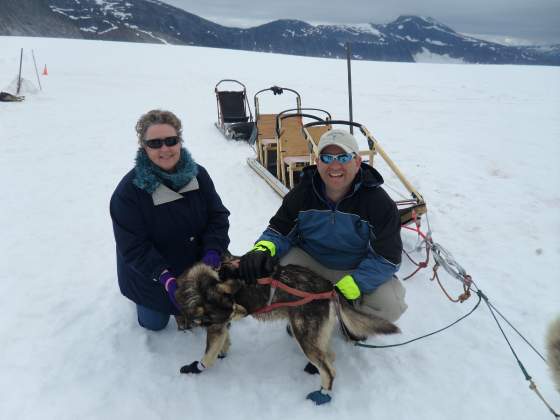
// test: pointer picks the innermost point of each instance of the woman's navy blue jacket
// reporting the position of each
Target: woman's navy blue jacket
(165, 229)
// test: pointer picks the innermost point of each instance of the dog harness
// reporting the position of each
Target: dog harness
(306, 297)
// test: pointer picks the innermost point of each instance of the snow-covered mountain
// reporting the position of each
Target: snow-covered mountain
(407, 39)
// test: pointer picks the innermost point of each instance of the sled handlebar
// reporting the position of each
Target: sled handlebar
(229, 80)
(335, 122)
(286, 114)
(277, 90)
(344, 122)
(298, 111)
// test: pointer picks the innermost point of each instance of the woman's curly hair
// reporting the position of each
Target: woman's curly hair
(157, 116)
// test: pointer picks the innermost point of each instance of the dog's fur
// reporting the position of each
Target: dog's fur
(212, 300)
(553, 350)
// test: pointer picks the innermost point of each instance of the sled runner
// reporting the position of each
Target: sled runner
(235, 120)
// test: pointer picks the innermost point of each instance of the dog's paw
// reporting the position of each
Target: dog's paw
(192, 368)
(222, 355)
(183, 323)
(311, 369)
(319, 397)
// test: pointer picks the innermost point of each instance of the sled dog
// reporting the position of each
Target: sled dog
(553, 350)
(213, 299)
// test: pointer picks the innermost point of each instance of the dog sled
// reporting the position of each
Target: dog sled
(235, 120)
(286, 141)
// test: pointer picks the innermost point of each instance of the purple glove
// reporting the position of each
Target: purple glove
(212, 258)
(170, 284)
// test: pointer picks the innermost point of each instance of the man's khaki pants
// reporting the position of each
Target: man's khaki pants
(387, 301)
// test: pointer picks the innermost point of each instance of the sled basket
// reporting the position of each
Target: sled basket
(235, 120)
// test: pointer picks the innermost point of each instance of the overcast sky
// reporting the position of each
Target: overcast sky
(537, 21)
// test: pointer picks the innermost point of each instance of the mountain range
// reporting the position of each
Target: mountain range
(407, 39)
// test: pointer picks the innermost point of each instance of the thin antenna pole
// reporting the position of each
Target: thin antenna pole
(36, 71)
(19, 76)
(348, 60)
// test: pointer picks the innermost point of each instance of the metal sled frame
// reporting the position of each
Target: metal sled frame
(239, 125)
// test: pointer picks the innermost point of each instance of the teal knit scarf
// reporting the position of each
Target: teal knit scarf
(149, 176)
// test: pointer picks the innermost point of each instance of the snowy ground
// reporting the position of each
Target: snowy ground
(480, 143)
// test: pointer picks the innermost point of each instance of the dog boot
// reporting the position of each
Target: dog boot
(311, 369)
(319, 397)
(195, 367)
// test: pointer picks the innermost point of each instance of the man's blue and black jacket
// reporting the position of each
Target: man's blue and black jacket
(360, 234)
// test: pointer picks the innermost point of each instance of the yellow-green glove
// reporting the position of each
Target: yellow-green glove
(348, 288)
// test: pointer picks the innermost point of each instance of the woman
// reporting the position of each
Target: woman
(166, 216)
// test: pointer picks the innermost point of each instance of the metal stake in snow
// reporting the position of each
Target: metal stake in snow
(348, 60)
(19, 75)
(36, 71)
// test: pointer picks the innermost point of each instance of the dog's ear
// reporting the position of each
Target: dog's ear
(238, 312)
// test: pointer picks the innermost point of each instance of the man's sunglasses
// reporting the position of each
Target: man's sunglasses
(342, 158)
(157, 143)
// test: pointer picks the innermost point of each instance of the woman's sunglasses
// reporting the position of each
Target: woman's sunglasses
(342, 158)
(157, 143)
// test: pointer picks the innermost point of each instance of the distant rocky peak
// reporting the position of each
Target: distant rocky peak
(407, 23)
(288, 24)
(353, 29)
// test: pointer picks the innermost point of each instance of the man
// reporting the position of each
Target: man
(340, 223)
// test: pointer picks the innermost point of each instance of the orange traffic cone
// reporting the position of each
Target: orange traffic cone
(45, 71)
